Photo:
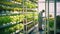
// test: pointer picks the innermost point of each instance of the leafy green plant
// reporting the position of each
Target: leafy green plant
(30, 4)
(17, 18)
(8, 19)
(51, 22)
(5, 20)
(19, 26)
(36, 16)
(29, 17)
(12, 29)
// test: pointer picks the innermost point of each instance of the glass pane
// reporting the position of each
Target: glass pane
(58, 17)
(50, 16)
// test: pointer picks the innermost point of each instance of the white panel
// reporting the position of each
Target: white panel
(41, 0)
(41, 5)
(58, 8)
(51, 9)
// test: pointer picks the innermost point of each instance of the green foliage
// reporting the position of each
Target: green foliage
(10, 4)
(4, 20)
(30, 4)
(19, 26)
(17, 18)
(51, 22)
(29, 17)
(18, 1)
(58, 21)
(10, 9)
(36, 16)
(10, 30)
(3, 0)
(8, 19)
(6, 3)
(16, 27)
(14, 6)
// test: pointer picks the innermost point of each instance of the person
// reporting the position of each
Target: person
(40, 20)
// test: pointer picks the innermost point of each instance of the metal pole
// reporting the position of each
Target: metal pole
(54, 16)
(26, 21)
(48, 19)
(23, 14)
(45, 17)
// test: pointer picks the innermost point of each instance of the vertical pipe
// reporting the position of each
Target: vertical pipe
(48, 19)
(23, 14)
(54, 16)
(38, 14)
(45, 17)
(26, 21)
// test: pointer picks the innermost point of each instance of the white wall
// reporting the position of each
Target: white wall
(41, 5)
(58, 8)
(51, 8)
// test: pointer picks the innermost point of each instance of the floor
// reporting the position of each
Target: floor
(36, 31)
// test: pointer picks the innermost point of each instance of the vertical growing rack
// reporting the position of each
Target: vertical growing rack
(16, 17)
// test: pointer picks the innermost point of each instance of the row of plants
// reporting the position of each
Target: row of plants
(15, 6)
(11, 19)
(10, 8)
(10, 30)
(9, 3)
(27, 3)
(16, 18)
(34, 19)
(31, 17)
(13, 9)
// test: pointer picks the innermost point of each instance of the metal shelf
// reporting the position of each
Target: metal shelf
(28, 23)
(16, 32)
(8, 25)
(32, 28)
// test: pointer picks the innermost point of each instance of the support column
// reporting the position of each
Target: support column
(48, 28)
(54, 16)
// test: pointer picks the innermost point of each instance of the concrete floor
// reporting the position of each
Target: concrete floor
(36, 31)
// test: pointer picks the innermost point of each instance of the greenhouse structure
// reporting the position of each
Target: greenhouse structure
(29, 16)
